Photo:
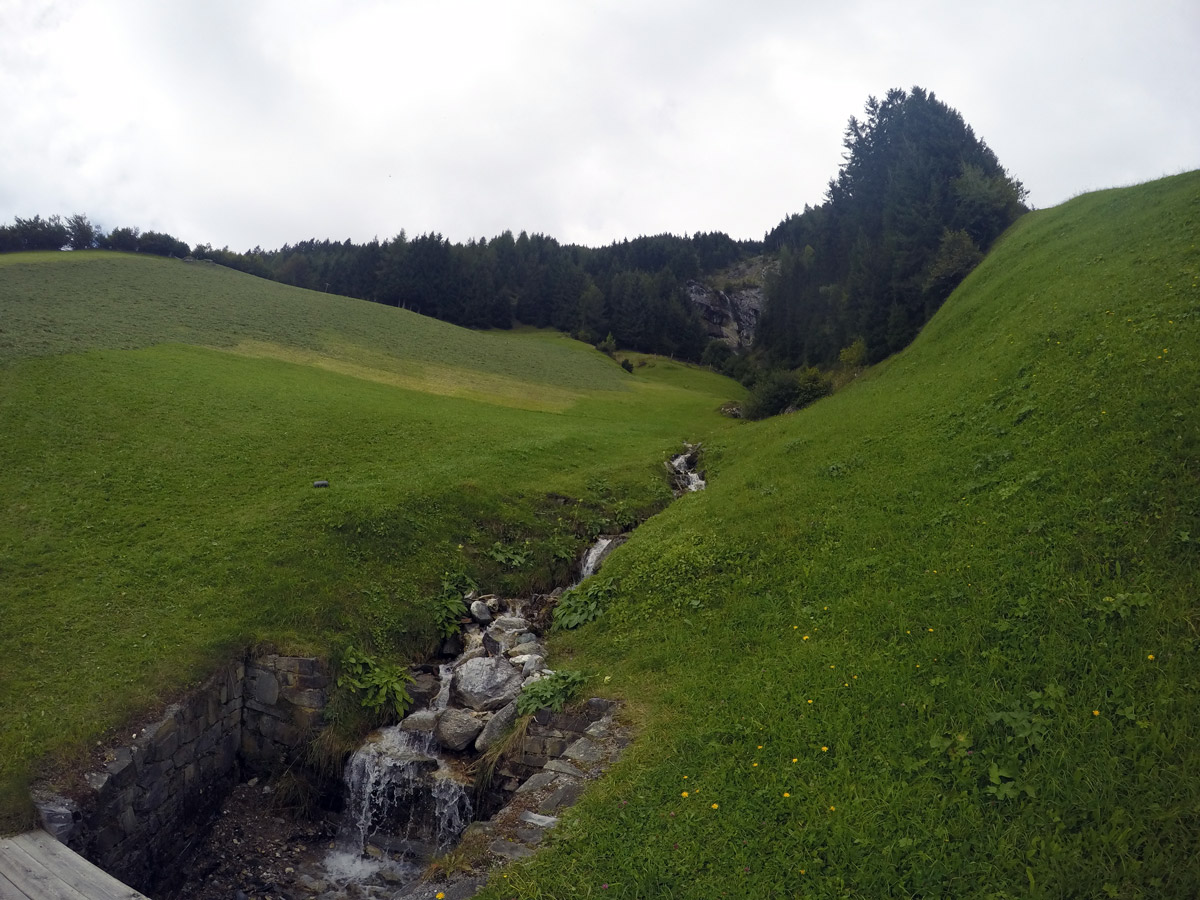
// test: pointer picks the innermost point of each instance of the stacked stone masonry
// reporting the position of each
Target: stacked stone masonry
(158, 790)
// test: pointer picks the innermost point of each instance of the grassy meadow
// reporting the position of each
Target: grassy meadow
(936, 635)
(163, 424)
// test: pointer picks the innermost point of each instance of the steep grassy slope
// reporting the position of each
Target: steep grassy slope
(159, 510)
(935, 636)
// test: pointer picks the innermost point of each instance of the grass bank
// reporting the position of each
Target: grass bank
(937, 635)
(163, 426)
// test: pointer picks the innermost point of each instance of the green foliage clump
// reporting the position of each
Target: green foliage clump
(853, 355)
(511, 556)
(551, 692)
(380, 688)
(449, 606)
(780, 390)
(584, 603)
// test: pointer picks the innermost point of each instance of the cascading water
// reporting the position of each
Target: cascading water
(403, 799)
(591, 562)
(683, 471)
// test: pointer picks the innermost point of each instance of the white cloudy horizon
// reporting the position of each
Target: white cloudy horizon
(241, 124)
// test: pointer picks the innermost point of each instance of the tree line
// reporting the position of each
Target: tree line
(916, 204)
(77, 232)
(632, 291)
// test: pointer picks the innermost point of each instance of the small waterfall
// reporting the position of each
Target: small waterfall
(683, 471)
(405, 802)
(402, 798)
(597, 552)
(442, 700)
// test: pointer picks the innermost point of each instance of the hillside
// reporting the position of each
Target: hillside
(164, 423)
(936, 635)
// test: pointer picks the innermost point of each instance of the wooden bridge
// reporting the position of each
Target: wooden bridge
(35, 866)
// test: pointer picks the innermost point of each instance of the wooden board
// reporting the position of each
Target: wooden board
(34, 866)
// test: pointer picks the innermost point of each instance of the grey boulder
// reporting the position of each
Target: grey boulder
(486, 683)
(456, 728)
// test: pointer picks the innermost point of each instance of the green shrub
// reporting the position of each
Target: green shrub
(448, 606)
(553, 692)
(380, 688)
(583, 604)
(780, 390)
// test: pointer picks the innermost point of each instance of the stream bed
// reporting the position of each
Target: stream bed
(409, 793)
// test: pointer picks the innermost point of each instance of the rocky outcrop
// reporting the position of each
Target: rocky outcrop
(731, 317)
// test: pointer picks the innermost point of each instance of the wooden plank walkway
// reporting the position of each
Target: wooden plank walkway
(35, 866)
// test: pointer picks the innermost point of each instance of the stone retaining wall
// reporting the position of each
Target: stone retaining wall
(157, 792)
(555, 742)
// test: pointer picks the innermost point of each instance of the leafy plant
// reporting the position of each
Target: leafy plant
(552, 692)
(379, 687)
(512, 557)
(584, 603)
(1120, 606)
(449, 606)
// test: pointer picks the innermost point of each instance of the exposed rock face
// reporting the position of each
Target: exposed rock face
(486, 683)
(730, 317)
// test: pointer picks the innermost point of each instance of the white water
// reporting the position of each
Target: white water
(402, 795)
(442, 700)
(686, 476)
(591, 561)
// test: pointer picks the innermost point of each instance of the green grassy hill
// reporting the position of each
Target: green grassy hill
(937, 635)
(163, 423)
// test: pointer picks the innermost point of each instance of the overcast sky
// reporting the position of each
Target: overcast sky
(244, 122)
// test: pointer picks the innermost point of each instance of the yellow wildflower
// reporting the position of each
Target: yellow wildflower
(716, 806)
(684, 794)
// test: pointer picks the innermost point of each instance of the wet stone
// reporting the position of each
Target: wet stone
(536, 782)
(562, 767)
(424, 687)
(456, 728)
(532, 818)
(423, 721)
(510, 850)
(584, 750)
(565, 796)
(530, 835)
